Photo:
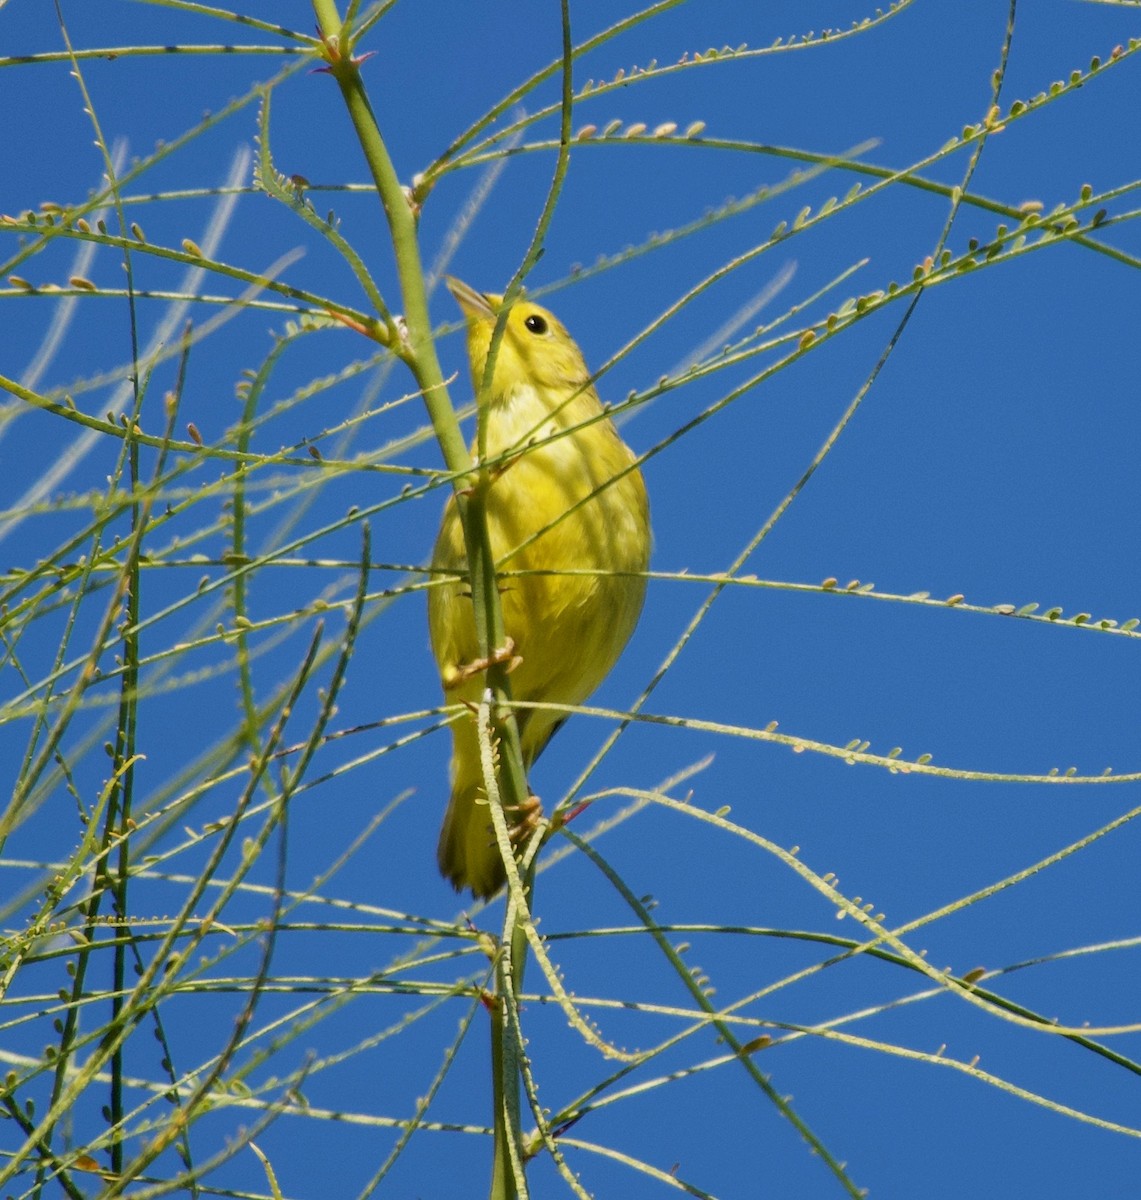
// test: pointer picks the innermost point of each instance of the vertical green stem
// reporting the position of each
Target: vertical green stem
(502, 1178)
(412, 342)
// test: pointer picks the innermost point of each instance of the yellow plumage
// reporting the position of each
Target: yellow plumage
(568, 630)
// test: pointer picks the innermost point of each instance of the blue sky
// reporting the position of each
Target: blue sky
(993, 458)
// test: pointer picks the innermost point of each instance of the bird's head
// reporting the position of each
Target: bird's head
(535, 348)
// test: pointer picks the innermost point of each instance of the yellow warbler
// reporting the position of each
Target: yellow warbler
(565, 496)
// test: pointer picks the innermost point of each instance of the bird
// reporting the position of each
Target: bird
(566, 494)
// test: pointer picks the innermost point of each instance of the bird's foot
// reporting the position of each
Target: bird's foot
(491, 474)
(454, 676)
(497, 469)
(525, 819)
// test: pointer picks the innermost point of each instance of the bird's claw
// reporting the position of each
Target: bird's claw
(492, 473)
(526, 819)
(454, 676)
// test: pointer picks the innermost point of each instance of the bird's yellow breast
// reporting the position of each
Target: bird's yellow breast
(569, 526)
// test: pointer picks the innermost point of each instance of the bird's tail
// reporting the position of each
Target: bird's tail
(468, 853)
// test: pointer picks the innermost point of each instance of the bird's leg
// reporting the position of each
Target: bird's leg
(498, 469)
(454, 675)
(494, 471)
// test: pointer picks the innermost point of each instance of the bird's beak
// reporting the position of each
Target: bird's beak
(475, 305)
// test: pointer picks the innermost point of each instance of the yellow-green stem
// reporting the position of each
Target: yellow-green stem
(414, 345)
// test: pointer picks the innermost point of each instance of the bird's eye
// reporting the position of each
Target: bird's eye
(536, 324)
